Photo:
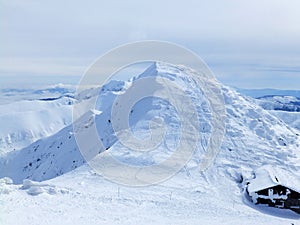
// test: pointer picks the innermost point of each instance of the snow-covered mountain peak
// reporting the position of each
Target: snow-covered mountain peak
(170, 71)
(253, 136)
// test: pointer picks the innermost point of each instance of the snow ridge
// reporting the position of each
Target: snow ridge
(50, 175)
(253, 136)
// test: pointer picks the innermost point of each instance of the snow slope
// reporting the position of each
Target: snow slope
(26, 121)
(34, 88)
(283, 104)
(257, 93)
(254, 137)
(82, 197)
(291, 118)
(287, 108)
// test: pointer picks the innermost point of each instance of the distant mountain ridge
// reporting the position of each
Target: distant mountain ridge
(256, 93)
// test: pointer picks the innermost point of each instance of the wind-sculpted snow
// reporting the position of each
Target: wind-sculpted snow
(159, 86)
(253, 136)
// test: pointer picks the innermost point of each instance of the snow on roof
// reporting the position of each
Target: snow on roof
(270, 176)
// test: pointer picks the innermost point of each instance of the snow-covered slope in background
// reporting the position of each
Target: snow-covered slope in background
(287, 108)
(281, 103)
(24, 122)
(291, 118)
(256, 93)
(284, 104)
(13, 93)
(253, 138)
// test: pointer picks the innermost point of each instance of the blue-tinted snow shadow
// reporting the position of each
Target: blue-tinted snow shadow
(282, 213)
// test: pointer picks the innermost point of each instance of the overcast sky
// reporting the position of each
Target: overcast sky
(250, 44)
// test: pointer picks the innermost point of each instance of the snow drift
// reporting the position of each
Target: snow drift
(253, 138)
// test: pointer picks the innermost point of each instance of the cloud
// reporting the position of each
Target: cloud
(36, 35)
(42, 66)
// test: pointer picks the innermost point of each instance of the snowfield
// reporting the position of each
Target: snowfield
(287, 108)
(31, 113)
(283, 104)
(82, 197)
(49, 182)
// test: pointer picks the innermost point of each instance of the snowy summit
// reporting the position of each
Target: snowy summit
(51, 178)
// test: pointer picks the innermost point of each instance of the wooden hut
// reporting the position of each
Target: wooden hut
(276, 188)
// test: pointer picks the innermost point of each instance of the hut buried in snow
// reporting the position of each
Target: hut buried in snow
(276, 188)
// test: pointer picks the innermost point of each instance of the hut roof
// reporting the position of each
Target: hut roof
(269, 176)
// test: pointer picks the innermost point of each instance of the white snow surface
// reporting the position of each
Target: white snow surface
(287, 108)
(67, 191)
(269, 176)
(83, 197)
(26, 121)
(291, 118)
